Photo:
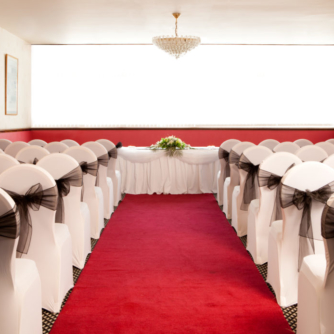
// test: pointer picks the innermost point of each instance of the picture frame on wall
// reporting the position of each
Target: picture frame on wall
(11, 85)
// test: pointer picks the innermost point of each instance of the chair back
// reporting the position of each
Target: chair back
(56, 147)
(329, 161)
(112, 152)
(305, 190)
(14, 148)
(303, 142)
(7, 161)
(31, 154)
(312, 153)
(223, 154)
(330, 141)
(327, 146)
(286, 146)
(38, 142)
(4, 143)
(270, 143)
(70, 142)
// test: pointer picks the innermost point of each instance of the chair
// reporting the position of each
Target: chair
(7, 161)
(263, 211)
(71, 211)
(224, 172)
(270, 143)
(327, 146)
(329, 161)
(56, 147)
(305, 189)
(248, 190)
(14, 148)
(1, 151)
(37, 142)
(92, 195)
(103, 181)
(114, 174)
(31, 154)
(4, 143)
(311, 153)
(70, 142)
(20, 285)
(47, 243)
(316, 283)
(233, 180)
(286, 146)
(328, 141)
(303, 142)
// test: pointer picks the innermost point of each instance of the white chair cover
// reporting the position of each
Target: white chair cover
(38, 142)
(248, 167)
(114, 174)
(316, 283)
(261, 211)
(270, 143)
(56, 147)
(50, 246)
(286, 146)
(329, 161)
(70, 142)
(14, 148)
(329, 141)
(1, 151)
(233, 180)
(20, 285)
(7, 161)
(311, 153)
(327, 146)
(31, 154)
(303, 142)
(4, 143)
(287, 242)
(104, 182)
(93, 195)
(224, 171)
(76, 213)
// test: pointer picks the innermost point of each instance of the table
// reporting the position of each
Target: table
(146, 172)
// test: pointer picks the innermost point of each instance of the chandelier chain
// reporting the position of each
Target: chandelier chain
(176, 28)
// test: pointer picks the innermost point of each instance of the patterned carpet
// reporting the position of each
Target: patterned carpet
(290, 312)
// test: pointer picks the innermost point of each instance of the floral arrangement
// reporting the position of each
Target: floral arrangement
(172, 145)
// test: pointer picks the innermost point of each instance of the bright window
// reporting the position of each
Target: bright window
(140, 85)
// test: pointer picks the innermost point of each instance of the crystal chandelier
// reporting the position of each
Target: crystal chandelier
(176, 46)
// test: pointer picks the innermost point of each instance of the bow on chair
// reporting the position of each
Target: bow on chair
(34, 162)
(88, 168)
(273, 181)
(327, 222)
(113, 153)
(10, 224)
(223, 154)
(251, 182)
(72, 178)
(234, 158)
(302, 200)
(101, 161)
(34, 198)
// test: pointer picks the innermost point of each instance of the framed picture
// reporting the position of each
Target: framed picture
(11, 83)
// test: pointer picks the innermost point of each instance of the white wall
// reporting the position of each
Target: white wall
(16, 47)
(213, 86)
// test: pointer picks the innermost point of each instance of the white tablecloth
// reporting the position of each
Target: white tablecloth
(146, 172)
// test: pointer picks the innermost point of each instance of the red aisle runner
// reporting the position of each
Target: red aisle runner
(170, 264)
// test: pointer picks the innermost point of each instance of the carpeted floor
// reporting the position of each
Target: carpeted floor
(170, 264)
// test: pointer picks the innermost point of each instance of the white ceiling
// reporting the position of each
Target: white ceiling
(137, 21)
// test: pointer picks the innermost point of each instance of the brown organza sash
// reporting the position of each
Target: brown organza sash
(72, 178)
(273, 181)
(113, 153)
(223, 154)
(34, 198)
(102, 161)
(33, 162)
(251, 183)
(234, 158)
(327, 222)
(302, 200)
(10, 223)
(88, 168)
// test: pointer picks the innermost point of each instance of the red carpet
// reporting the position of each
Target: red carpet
(170, 264)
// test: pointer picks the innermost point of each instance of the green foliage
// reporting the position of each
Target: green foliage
(171, 144)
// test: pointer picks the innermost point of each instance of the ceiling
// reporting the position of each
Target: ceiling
(137, 21)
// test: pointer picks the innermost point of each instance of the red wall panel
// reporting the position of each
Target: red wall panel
(194, 137)
(16, 135)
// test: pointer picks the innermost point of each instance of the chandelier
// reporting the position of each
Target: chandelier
(176, 46)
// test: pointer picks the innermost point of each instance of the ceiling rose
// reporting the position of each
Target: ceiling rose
(176, 46)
